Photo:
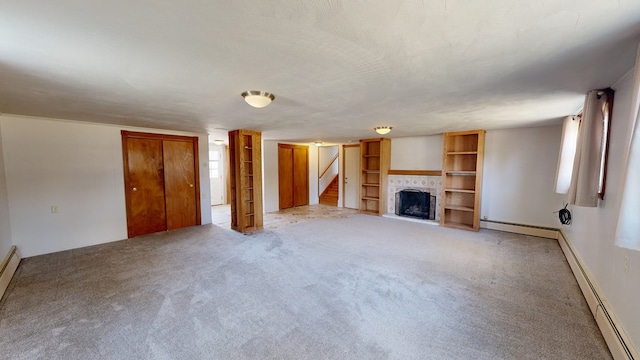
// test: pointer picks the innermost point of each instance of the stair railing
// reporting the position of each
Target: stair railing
(327, 176)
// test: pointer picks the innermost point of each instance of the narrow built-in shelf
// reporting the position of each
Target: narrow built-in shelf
(461, 191)
(375, 212)
(460, 172)
(459, 208)
(462, 153)
(458, 225)
(375, 157)
(370, 198)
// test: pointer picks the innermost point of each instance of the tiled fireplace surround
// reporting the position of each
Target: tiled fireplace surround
(396, 183)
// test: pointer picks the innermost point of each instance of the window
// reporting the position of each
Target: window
(214, 164)
(567, 153)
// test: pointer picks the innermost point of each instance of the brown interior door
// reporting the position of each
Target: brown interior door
(161, 182)
(180, 184)
(144, 186)
(293, 175)
(285, 176)
(300, 176)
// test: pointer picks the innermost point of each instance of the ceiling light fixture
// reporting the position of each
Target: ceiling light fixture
(382, 130)
(258, 99)
(318, 143)
(218, 141)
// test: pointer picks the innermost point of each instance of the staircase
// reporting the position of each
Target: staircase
(330, 194)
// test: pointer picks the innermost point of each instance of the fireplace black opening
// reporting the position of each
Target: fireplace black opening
(413, 203)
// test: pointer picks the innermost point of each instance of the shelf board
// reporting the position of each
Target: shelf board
(460, 172)
(369, 211)
(371, 171)
(461, 191)
(458, 207)
(462, 153)
(457, 225)
(371, 156)
(370, 184)
(370, 198)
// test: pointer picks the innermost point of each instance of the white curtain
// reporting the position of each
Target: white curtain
(585, 181)
(628, 227)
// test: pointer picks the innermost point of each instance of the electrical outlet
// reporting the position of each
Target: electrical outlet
(484, 217)
(626, 264)
(54, 209)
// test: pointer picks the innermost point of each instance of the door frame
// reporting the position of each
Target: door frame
(344, 172)
(125, 134)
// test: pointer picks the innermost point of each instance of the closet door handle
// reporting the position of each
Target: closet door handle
(190, 185)
(134, 189)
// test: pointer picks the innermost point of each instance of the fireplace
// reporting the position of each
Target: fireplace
(415, 203)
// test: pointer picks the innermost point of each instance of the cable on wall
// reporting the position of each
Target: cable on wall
(564, 215)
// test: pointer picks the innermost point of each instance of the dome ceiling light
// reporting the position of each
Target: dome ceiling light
(258, 99)
(382, 130)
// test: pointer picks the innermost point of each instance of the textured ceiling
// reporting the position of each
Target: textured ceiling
(337, 68)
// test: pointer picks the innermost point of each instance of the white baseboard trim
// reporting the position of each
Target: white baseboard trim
(619, 344)
(520, 229)
(8, 268)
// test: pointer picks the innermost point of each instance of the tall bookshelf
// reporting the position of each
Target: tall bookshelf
(375, 158)
(245, 178)
(463, 153)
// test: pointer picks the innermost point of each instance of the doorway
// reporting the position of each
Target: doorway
(351, 176)
(217, 174)
(293, 175)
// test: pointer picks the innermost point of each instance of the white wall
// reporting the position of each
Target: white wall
(592, 229)
(519, 174)
(5, 226)
(76, 167)
(417, 153)
(270, 190)
(270, 175)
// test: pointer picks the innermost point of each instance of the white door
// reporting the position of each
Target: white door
(351, 176)
(216, 176)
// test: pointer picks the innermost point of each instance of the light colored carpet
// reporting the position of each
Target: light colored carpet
(362, 287)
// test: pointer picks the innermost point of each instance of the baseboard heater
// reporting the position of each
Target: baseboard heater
(8, 268)
(619, 344)
(545, 232)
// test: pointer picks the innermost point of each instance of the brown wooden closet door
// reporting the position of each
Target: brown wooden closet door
(285, 177)
(300, 176)
(144, 181)
(180, 184)
(293, 175)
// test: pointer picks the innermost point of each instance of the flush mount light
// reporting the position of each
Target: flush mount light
(218, 142)
(382, 130)
(318, 143)
(258, 99)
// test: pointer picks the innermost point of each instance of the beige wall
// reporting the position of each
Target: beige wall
(5, 226)
(76, 167)
(417, 153)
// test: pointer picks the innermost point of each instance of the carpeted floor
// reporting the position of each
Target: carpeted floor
(362, 287)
